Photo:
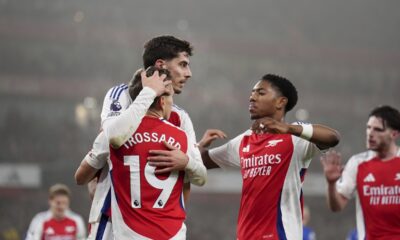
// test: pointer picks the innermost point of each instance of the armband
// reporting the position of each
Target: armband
(307, 131)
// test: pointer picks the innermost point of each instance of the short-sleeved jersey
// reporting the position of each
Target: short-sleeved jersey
(377, 187)
(147, 205)
(272, 167)
(45, 227)
(115, 102)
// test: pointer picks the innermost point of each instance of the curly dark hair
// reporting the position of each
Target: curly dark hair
(285, 87)
(164, 47)
(389, 115)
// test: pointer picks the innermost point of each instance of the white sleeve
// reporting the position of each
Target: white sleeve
(115, 102)
(195, 169)
(306, 149)
(97, 157)
(35, 228)
(187, 126)
(347, 183)
(120, 128)
(227, 156)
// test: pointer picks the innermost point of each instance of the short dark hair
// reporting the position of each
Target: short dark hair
(135, 85)
(164, 47)
(389, 115)
(285, 87)
(59, 189)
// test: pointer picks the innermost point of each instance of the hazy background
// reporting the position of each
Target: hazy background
(58, 58)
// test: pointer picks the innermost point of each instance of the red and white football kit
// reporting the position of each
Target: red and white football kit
(115, 102)
(272, 167)
(45, 227)
(146, 205)
(376, 184)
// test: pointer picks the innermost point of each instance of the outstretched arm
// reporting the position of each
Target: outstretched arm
(175, 159)
(324, 137)
(332, 166)
(119, 129)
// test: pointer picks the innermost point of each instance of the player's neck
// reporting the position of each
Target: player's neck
(389, 152)
(155, 113)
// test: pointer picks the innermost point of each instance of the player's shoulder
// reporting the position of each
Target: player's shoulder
(42, 216)
(179, 110)
(74, 216)
(362, 157)
(244, 135)
(116, 91)
(171, 126)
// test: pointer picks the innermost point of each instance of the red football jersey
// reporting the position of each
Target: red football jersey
(147, 204)
(45, 227)
(378, 187)
(65, 229)
(272, 168)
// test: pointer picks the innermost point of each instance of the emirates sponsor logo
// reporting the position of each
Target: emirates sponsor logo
(369, 178)
(273, 143)
(382, 195)
(259, 165)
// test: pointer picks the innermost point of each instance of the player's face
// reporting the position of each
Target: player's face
(179, 68)
(168, 102)
(379, 137)
(58, 205)
(263, 100)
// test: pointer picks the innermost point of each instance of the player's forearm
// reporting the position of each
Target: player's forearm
(323, 136)
(85, 173)
(336, 202)
(197, 172)
(119, 129)
(207, 161)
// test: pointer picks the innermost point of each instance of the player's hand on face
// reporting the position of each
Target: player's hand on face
(209, 136)
(269, 125)
(332, 165)
(169, 160)
(155, 82)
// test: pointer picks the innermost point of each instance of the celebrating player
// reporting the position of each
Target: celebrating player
(147, 202)
(164, 52)
(273, 158)
(59, 222)
(373, 176)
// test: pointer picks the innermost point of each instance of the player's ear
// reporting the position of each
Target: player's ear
(281, 102)
(160, 63)
(161, 102)
(395, 134)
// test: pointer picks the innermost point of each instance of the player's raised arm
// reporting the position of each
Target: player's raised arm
(332, 165)
(120, 128)
(324, 137)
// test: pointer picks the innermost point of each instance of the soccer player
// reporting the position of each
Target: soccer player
(273, 158)
(163, 52)
(94, 165)
(146, 201)
(59, 222)
(372, 176)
